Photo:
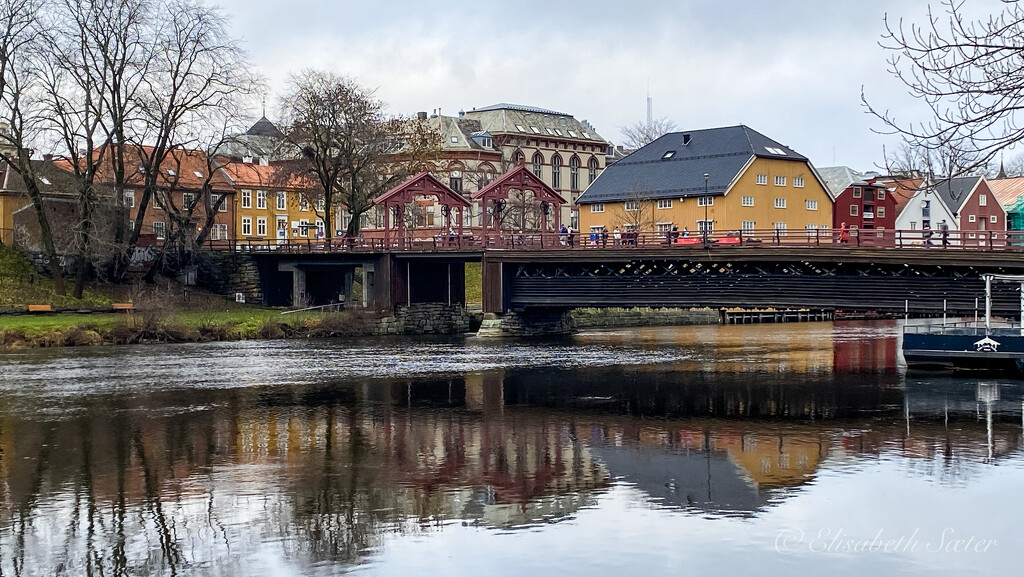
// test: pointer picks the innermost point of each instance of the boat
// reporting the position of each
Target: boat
(965, 345)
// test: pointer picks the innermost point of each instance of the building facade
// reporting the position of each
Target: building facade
(272, 205)
(721, 179)
(861, 202)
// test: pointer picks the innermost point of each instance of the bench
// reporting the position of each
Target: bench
(126, 307)
(40, 309)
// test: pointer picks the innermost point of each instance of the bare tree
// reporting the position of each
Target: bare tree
(18, 48)
(636, 213)
(351, 147)
(645, 132)
(969, 76)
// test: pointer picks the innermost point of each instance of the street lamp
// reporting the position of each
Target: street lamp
(706, 197)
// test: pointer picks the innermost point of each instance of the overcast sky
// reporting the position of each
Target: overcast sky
(790, 69)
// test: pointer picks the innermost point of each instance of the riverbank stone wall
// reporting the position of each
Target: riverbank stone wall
(230, 273)
(426, 319)
(527, 324)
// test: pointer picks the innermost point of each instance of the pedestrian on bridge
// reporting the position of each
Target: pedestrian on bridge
(616, 236)
(844, 235)
(944, 229)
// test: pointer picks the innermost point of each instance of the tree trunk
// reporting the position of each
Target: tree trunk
(45, 234)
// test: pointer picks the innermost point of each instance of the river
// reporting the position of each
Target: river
(778, 449)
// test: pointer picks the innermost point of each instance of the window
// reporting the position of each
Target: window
(869, 194)
(303, 203)
(592, 170)
(261, 226)
(598, 207)
(170, 171)
(215, 198)
(304, 228)
(632, 205)
(811, 228)
(780, 228)
(320, 203)
(881, 194)
(664, 203)
(520, 128)
(160, 230)
(556, 172)
(668, 154)
(972, 218)
(574, 173)
(747, 201)
(320, 228)
(662, 227)
(748, 226)
(993, 219)
(811, 204)
(706, 226)
(854, 210)
(246, 199)
(538, 162)
(282, 200)
(762, 179)
(705, 201)
(197, 173)
(129, 198)
(856, 192)
(246, 226)
(780, 181)
(455, 181)
(982, 200)
(187, 200)
(455, 139)
(780, 202)
(880, 212)
(219, 232)
(798, 181)
(261, 199)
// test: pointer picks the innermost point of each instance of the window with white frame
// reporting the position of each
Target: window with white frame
(811, 204)
(664, 203)
(972, 218)
(597, 207)
(780, 202)
(246, 226)
(780, 228)
(747, 226)
(854, 210)
(261, 199)
(880, 211)
(320, 203)
(664, 227)
(856, 192)
(246, 199)
(993, 219)
(320, 228)
(706, 226)
(261, 226)
(812, 230)
(881, 194)
(705, 201)
(303, 203)
(282, 200)
(187, 200)
(798, 181)
(129, 199)
(219, 232)
(982, 200)
(214, 199)
(632, 205)
(762, 179)
(747, 201)
(160, 230)
(780, 181)
(304, 227)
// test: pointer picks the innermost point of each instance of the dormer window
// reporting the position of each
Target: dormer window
(455, 139)
(669, 154)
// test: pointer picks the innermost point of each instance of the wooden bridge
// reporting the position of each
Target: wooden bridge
(898, 272)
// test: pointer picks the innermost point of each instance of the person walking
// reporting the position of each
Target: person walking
(616, 236)
(569, 236)
(944, 231)
(844, 236)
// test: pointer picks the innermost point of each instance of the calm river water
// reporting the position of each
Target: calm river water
(759, 449)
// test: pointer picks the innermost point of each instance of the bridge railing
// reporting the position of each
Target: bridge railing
(625, 240)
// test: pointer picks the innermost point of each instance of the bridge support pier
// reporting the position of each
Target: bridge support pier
(527, 323)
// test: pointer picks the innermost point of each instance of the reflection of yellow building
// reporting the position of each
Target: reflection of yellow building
(783, 460)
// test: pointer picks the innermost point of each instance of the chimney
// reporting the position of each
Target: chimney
(421, 115)
(462, 113)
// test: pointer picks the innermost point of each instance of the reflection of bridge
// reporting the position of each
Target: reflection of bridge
(826, 277)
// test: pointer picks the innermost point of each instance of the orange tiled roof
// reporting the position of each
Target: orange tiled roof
(247, 174)
(187, 169)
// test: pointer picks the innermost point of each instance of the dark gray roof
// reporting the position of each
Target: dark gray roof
(654, 173)
(954, 192)
(520, 108)
(264, 127)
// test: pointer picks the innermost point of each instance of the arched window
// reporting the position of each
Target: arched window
(592, 170)
(520, 158)
(574, 173)
(556, 172)
(538, 161)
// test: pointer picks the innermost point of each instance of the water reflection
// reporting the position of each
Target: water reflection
(174, 477)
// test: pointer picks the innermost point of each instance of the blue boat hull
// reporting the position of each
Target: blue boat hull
(997, 351)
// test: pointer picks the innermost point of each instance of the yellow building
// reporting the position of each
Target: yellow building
(721, 180)
(273, 205)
